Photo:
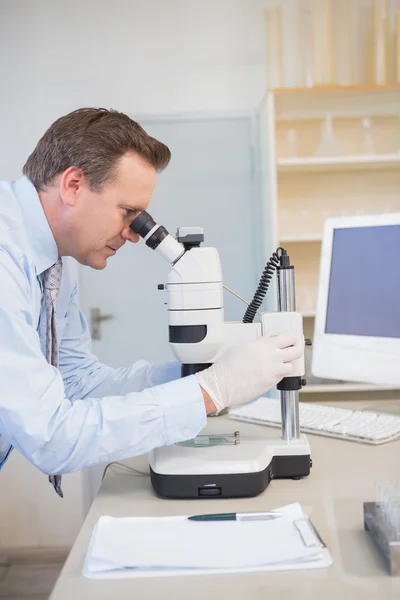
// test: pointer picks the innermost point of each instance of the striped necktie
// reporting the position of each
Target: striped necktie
(51, 281)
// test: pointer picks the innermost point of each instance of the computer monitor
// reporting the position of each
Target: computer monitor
(357, 324)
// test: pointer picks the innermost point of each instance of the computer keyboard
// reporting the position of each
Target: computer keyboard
(364, 426)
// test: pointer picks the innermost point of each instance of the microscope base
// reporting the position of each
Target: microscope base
(230, 471)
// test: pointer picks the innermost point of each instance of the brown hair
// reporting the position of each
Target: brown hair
(92, 139)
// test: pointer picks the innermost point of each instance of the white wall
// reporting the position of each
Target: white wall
(141, 57)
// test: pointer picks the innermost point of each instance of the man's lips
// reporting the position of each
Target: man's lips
(113, 247)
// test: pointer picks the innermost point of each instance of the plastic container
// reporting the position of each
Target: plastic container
(322, 42)
(273, 25)
(379, 50)
(329, 145)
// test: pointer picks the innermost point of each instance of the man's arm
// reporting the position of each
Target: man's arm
(84, 375)
(60, 435)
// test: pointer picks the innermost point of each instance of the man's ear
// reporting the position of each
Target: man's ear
(72, 182)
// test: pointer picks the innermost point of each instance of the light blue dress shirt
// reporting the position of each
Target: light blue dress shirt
(85, 413)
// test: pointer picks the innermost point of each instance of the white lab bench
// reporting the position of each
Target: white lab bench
(343, 476)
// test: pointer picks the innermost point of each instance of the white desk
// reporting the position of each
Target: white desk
(343, 476)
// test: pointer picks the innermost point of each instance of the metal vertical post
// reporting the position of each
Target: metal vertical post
(289, 398)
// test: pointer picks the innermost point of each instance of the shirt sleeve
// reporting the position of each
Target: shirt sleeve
(61, 435)
(84, 375)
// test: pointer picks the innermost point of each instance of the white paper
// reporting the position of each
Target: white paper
(144, 546)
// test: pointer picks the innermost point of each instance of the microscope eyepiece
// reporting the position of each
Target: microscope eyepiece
(154, 234)
(148, 229)
(142, 224)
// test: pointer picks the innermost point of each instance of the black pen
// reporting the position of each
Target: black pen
(255, 516)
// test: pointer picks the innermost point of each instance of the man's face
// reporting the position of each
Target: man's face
(98, 222)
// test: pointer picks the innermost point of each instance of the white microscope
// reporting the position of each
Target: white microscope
(220, 464)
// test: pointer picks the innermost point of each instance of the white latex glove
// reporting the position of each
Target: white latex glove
(248, 370)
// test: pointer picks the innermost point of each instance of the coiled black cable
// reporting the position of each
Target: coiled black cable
(265, 280)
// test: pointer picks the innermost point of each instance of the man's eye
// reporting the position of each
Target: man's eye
(130, 213)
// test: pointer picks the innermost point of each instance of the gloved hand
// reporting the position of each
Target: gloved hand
(248, 370)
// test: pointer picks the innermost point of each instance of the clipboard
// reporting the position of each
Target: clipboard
(172, 546)
(308, 533)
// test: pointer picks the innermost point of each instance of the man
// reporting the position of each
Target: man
(89, 176)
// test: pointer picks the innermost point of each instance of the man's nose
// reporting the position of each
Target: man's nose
(130, 236)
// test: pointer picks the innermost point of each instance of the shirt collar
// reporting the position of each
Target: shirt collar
(41, 239)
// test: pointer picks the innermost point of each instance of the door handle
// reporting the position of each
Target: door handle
(96, 318)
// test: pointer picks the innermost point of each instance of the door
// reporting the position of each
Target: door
(211, 182)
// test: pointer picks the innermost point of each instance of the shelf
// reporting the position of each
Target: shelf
(377, 162)
(307, 313)
(345, 387)
(336, 88)
(299, 238)
(341, 101)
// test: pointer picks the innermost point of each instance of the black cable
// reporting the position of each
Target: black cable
(265, 280)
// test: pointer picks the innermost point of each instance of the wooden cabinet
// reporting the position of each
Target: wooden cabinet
(331, 152)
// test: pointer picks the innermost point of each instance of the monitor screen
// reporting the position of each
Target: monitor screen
(364, 284)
